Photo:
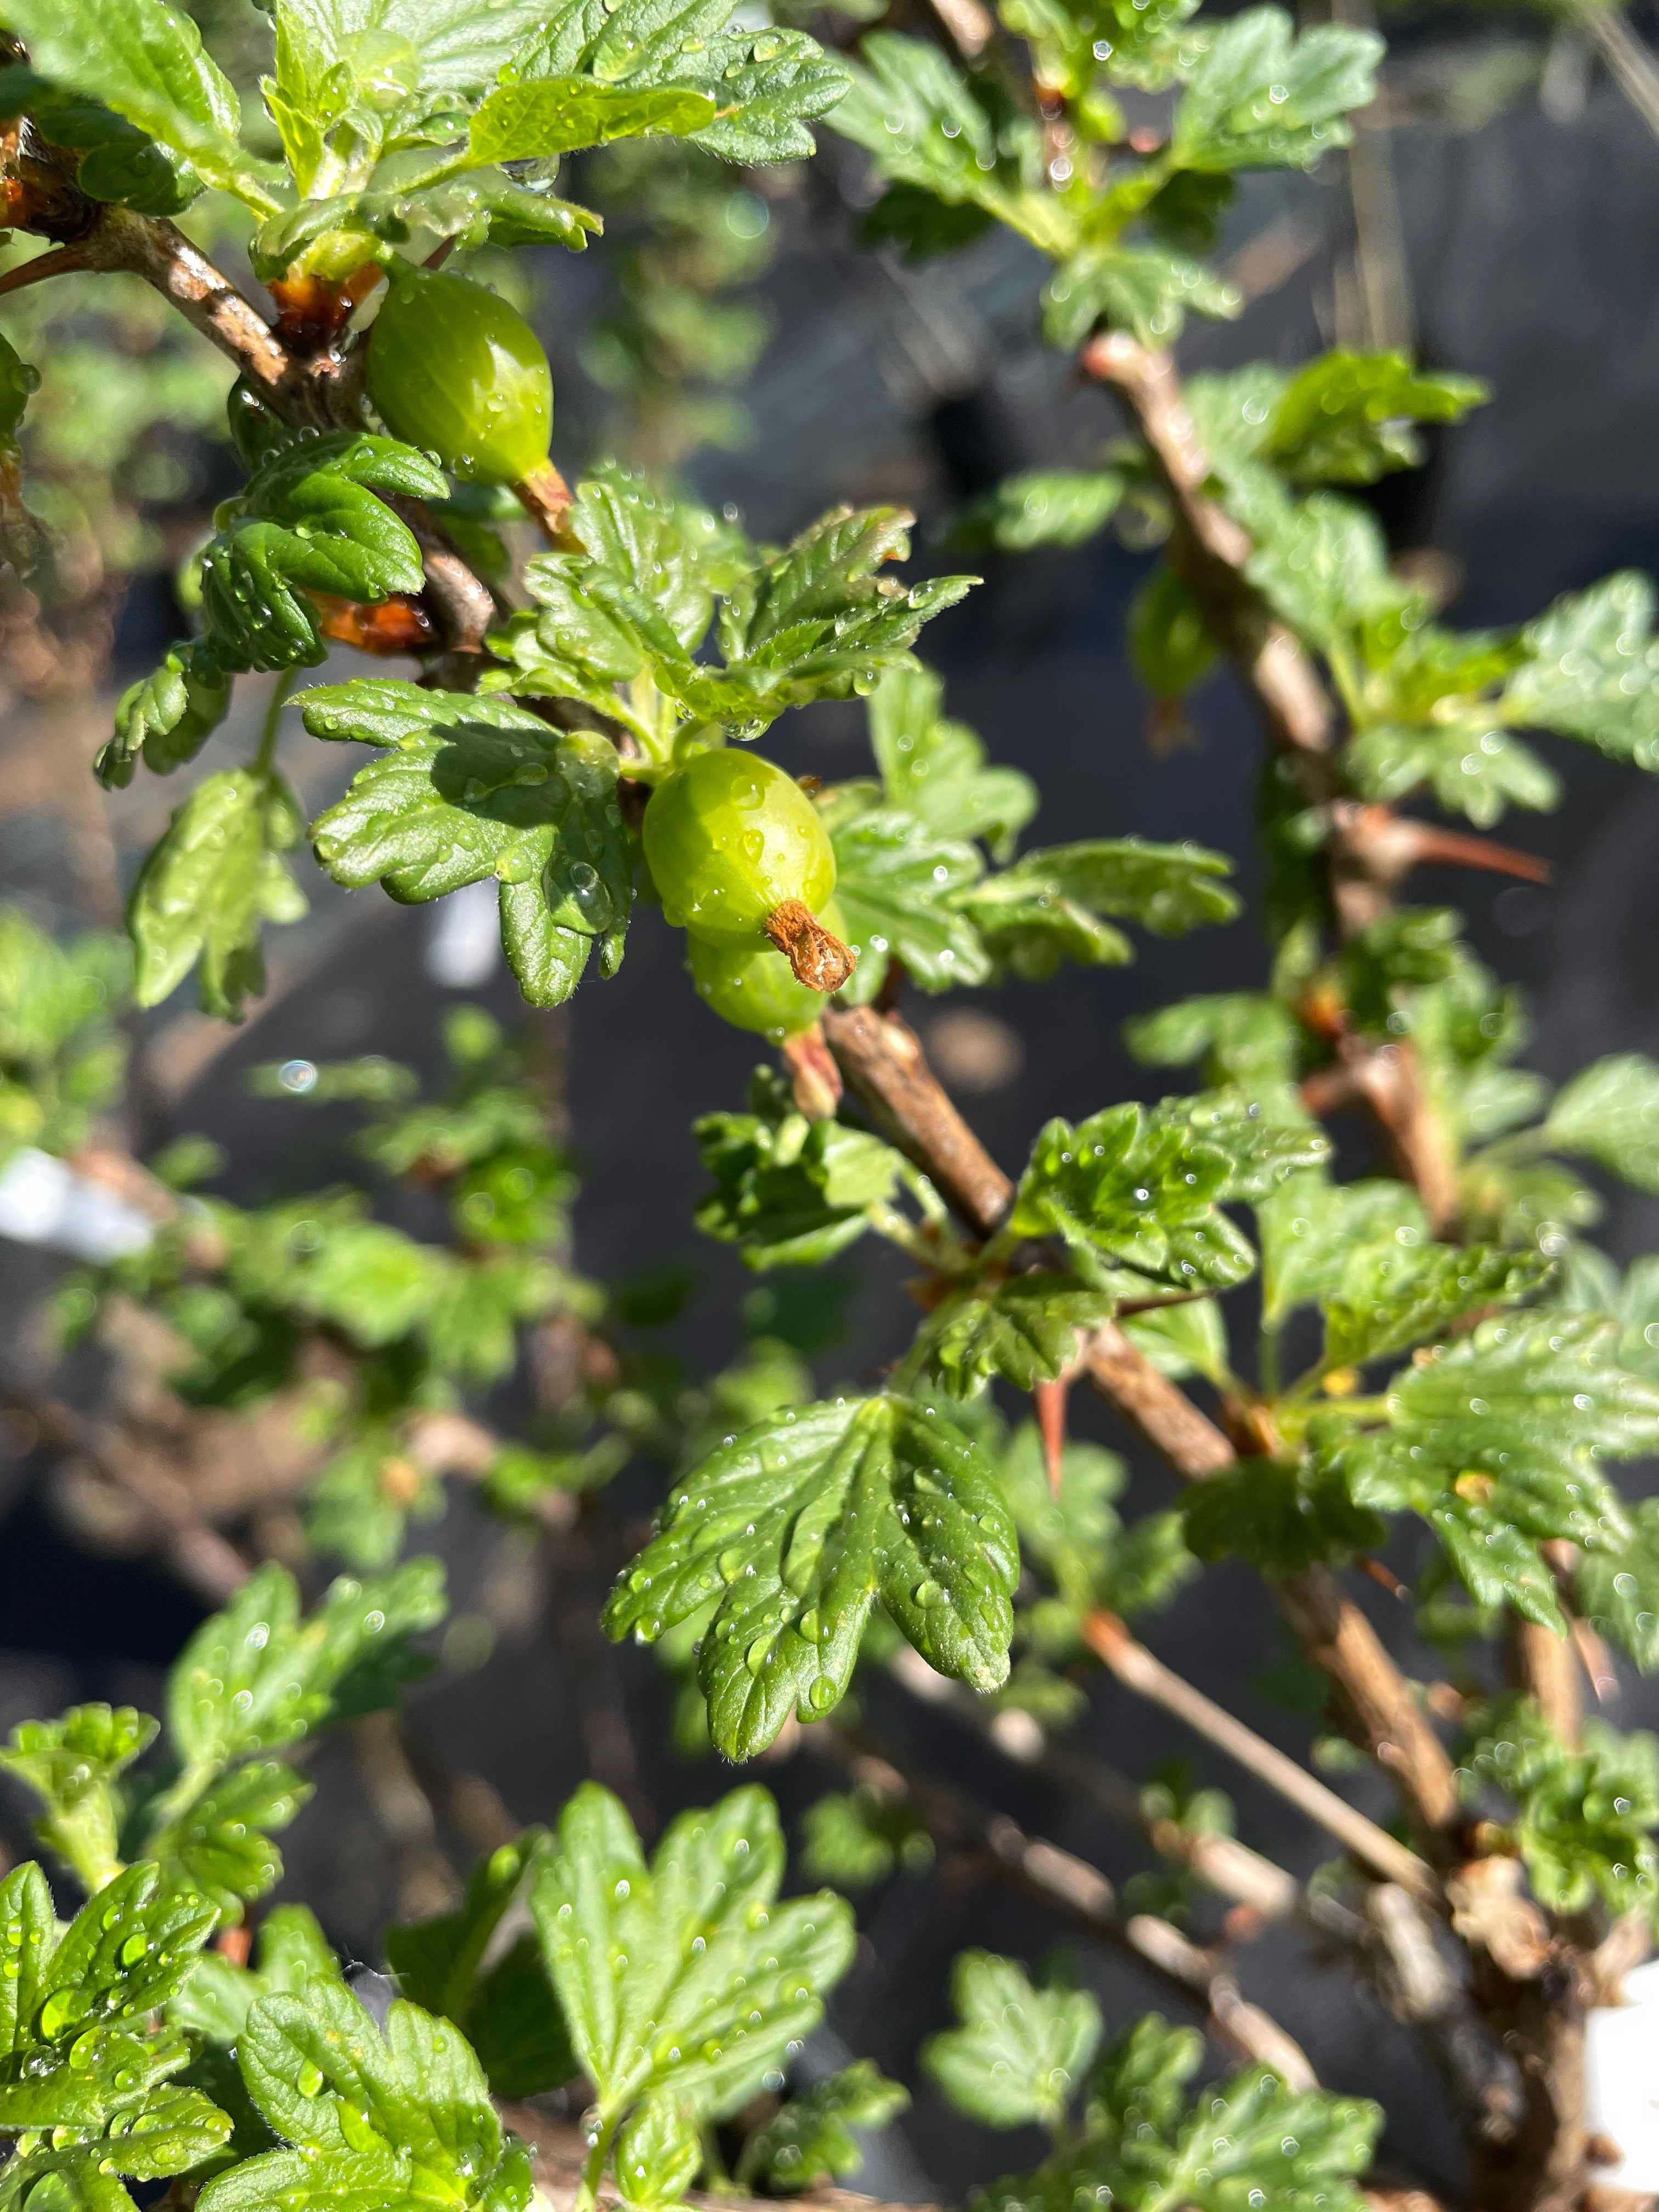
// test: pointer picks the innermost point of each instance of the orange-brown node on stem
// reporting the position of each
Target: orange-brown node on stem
(312, 311)
(820, 960)
(400, 624)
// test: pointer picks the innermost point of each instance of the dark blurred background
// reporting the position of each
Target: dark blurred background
(1526, 188)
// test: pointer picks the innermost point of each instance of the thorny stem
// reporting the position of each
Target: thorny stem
(1208, 549)
(883, 1061)
(155, 250)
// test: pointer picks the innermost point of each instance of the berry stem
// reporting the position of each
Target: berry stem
(546, 497)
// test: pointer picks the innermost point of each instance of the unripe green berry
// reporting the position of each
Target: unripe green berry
(751, 985)
(454, 370)
(729, 838)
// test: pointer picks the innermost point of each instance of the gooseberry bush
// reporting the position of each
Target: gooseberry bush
(1407, 1342)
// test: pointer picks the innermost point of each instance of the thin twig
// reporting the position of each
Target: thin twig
(60, 261)
(1210, 551)
(1396, 1943)
(1629, 63)
(1078, 1891)
(207, 1562)
(1137, 1668)
(1231, 1869)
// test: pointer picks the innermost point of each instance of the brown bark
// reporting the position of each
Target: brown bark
(883, 1061)
(1209, 551)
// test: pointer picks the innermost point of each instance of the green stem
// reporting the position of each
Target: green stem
(1349, 679)
(905, 1376)
(265, 759)
(90, 1853)
(594, 2167)
(887, 1221)
(1268, 1362)
(173, 1803)
(922, 1190)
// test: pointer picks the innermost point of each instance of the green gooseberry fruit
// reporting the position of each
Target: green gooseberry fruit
(456, 371)
(749, 983)
(737, 851)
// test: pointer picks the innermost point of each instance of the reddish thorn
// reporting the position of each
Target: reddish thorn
(1384, 1577)
(1049, 1401)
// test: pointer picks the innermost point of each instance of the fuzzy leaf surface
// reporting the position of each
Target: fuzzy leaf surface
(796, 1527)
(76, 2056)
(1585, 1819)
(1610, 1113)
(789, 1192)
(167, 717)
(894, 881)
(1619, 1591)
(1495, 1441)
(260, 1674)
(401, 2117)
(1243, 2141)
(506, 2009)
(204, 890)
(310, 520)
(146, 62)
(935, 770)
(687, 1976)
(811, 2137)
(73, 1766)
(1020, 2051)
(1592, 661)
(1266, 97)
(470, 788)
(761, 87)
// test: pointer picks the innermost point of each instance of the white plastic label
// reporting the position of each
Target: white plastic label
(464, 937)
(44, 1201)
(1621, 2080)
